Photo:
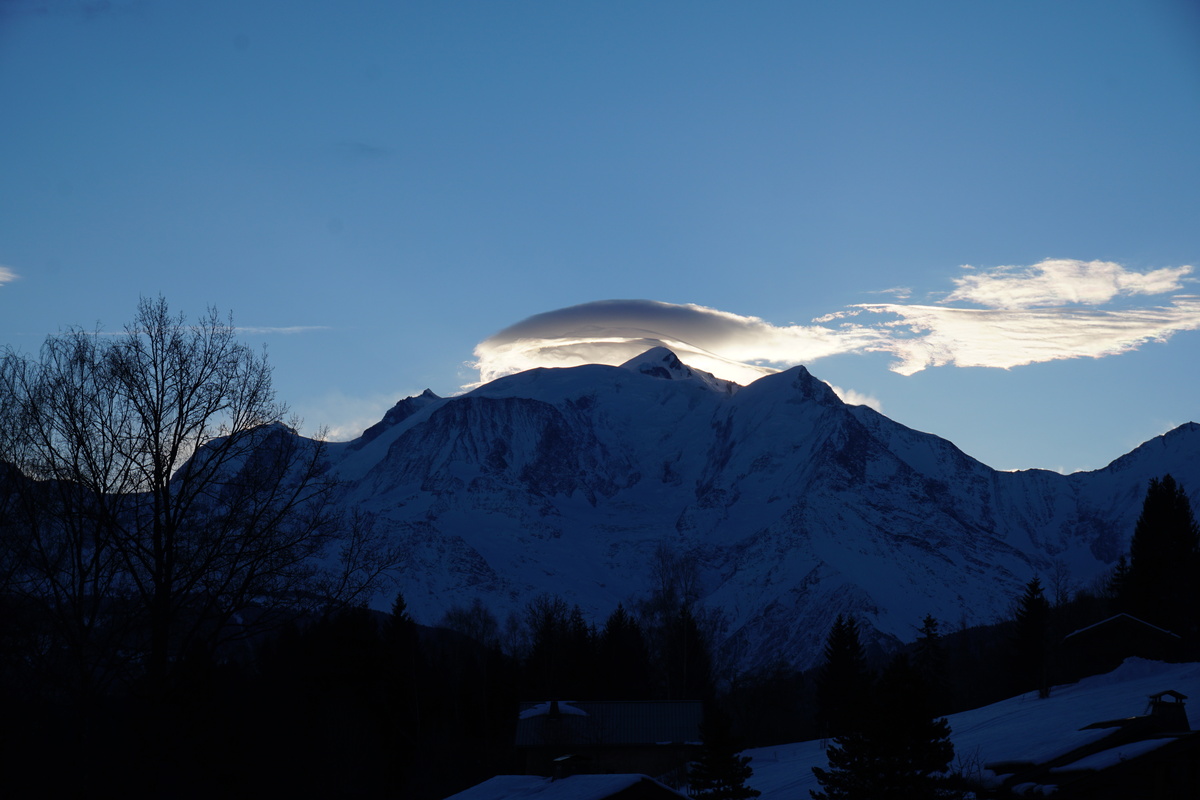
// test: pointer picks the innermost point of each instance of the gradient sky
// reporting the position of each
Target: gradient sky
(980, 217)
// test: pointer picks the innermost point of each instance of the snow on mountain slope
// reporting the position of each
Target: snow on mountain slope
(794, 506)
(660, 362)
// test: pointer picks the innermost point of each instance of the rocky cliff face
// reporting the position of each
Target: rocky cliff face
(794, 506)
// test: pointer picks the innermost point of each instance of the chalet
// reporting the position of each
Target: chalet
(558, 738)
(1154, 756)
(1103, 646)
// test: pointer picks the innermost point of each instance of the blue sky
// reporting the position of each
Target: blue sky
(980, 217)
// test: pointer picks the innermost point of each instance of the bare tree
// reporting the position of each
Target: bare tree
(165, 506)
(474, 621)
(676, 576)
(1062, 585)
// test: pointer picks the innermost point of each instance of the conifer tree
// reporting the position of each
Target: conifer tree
(1160, 585)
(1031, 642)
(721, 772)
(562, 649)
(404, 690)
(843, 680)
(547, 618)
(623, 660)
(930, 661)
(899, 753)
(1118, 586)
(580, 649)
(687, 658)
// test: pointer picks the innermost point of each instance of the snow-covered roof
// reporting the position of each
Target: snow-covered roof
(610, 722)
(548, 707)
(1113, 755)
(1021, 729)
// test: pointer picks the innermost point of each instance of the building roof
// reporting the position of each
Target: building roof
(1024, 728)
(1122, 619)
(608, 723)
(1104, 745)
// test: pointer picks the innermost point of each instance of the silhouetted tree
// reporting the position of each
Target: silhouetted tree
(1117, 587)
(1161, 585)
(474, 621)
(172, 508)
(1031, 640)
(404, 685)
(843, 680)
(676, 632)
(929, 659)
(687, 658)
(899, 753)
(321, 718)
(581, 653)
(400, 624)
(623, 667)
(772, 705)
(721, 772)
(562, 651)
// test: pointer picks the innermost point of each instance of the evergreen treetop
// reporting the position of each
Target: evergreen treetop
(1160, 584)
(1031, 640)
(900, 752)
(844, 680)
(720, 773)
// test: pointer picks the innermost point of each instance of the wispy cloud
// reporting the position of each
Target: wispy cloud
(251, 330)
(1062, 281)
(900, 292)
(1001, 317)
(285, 330)
(7, 275)
(856, 398)
(934, 336)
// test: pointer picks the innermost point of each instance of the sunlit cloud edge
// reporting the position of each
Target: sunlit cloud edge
(1014, 328)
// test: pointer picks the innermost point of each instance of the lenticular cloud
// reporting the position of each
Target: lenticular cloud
(1050, 311)
(730, 346)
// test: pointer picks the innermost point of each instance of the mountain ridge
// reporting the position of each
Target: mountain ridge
(792, 505)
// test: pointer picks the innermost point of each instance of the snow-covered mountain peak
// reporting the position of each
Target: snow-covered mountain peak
(792, 506)
(1173, 450)
(796, 381)
(395, 415)
(661, 362)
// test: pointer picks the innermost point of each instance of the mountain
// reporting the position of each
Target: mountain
(789, 505)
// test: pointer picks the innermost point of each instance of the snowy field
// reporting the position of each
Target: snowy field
(1014, 729)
